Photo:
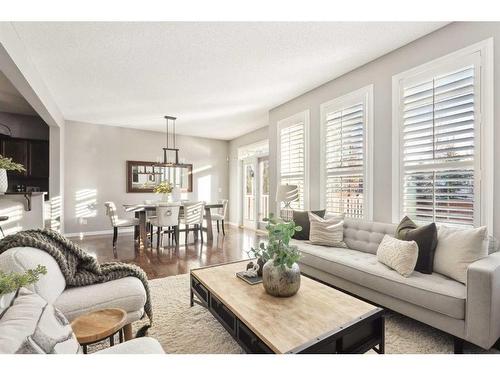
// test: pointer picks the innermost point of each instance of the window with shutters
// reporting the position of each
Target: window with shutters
(292, 152)
(346, 154)
(440, 142)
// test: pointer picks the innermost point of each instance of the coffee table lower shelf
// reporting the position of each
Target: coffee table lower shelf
(356, 337)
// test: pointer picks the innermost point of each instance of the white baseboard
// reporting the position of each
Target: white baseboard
(98, 232)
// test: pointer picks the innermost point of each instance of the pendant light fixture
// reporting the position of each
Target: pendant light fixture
(171, 145)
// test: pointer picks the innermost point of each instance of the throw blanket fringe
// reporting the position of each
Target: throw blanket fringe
(78, 267)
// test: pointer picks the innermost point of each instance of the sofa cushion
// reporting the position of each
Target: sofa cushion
(127, 293)
(327, 232)
(457, 249)
(301, 218)
(31, 325)
(399, 255)
(434, 292)
(20, 259)
(426, 238)
(366, 235)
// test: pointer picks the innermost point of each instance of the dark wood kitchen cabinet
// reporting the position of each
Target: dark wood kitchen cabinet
(33, 154)
(38, 158)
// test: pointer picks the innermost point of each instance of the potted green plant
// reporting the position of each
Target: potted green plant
(6, 164)
(12, 281)
(280, 273)
(164, 188)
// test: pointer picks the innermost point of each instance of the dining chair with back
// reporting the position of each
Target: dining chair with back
(220, 214)
(193, 216)
(167, 216)
(116, 222)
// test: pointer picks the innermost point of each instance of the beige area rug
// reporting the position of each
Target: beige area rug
(183, 329)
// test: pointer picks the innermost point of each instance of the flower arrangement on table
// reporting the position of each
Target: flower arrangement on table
(163, 188)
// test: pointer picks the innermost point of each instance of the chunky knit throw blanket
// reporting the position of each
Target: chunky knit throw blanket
(78, 267)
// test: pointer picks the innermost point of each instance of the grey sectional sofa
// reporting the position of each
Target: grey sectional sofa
(469, 312)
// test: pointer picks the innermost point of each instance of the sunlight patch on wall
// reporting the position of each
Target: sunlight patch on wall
(55, 213)
(205, 188)
(201, 169)
(86, 203)
(15, 214)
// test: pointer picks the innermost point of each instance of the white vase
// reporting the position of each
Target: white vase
(4, 183)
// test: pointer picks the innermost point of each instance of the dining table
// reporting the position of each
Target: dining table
(141, 210)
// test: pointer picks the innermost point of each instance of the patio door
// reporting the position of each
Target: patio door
(263, 191)
(249, 192)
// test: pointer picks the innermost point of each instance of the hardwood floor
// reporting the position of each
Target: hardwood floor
(169, 261)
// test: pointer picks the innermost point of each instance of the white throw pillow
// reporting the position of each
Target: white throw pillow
(457, 248)
(32, 326)
(399, 255)
(327, 232)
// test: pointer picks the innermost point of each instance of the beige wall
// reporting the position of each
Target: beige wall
(379, 73)
(95, 157)
(234, 176)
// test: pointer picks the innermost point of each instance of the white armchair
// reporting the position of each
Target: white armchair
(127, 293)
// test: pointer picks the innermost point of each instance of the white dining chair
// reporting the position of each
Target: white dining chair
(193, 216)
(116, 222)
(167, 216)
(220, 214)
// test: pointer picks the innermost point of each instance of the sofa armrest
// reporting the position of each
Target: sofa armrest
(482, 316)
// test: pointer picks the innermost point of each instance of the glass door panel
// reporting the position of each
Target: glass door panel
(263, 189)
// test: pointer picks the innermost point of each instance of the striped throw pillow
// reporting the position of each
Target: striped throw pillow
(326, 232)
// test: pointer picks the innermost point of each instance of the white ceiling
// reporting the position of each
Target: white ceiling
(219, 79)
(11, 100)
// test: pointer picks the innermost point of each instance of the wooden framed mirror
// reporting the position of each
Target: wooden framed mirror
(143, 176)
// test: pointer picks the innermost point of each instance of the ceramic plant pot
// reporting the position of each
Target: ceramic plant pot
(281, 281)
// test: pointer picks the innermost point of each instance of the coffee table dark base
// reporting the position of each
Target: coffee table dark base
(356, 337)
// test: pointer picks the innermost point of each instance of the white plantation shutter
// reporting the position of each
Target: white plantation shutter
(345, 159)
(292, 158)
(439, 133)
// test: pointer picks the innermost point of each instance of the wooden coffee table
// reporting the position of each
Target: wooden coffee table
(318, 319)
(99, 325)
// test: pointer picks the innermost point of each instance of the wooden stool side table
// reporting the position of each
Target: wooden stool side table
(100, 325)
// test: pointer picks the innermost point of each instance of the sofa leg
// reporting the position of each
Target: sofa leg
(127, 331)
(458, 345)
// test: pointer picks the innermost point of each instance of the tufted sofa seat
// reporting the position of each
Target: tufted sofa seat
(468, 311)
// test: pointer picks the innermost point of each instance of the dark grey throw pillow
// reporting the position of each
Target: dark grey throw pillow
(302, 218)
(426, 239)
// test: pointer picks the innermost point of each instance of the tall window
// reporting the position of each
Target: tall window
(346, 130)
(439, 135)
(292, 133)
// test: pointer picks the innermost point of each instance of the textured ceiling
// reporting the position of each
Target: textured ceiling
(219, 79)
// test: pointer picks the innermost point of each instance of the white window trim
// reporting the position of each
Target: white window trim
(367, 94)
(485, 121)
(289, 121)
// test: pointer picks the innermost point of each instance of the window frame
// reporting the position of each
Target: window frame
(481, 55)
(365, 94)
(303, 116)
